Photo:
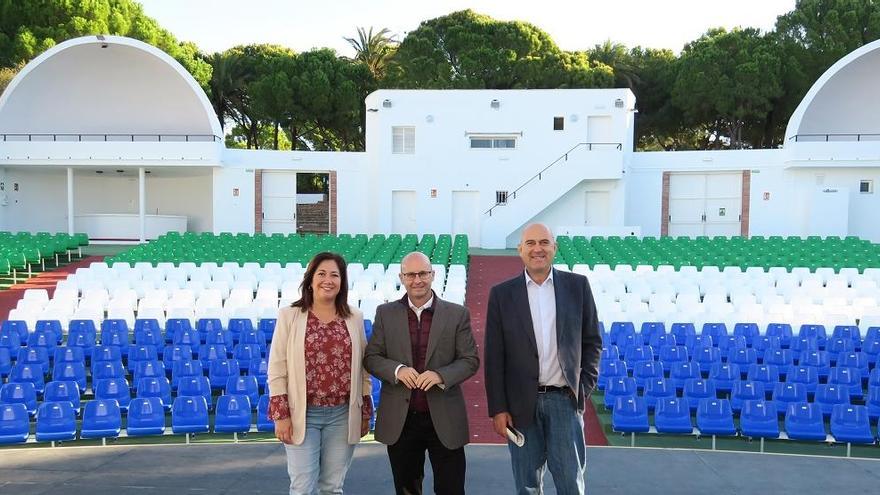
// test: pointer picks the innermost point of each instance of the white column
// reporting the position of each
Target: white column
(70, 200)
(142, 209)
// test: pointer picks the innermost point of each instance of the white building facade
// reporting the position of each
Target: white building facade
(111, 136)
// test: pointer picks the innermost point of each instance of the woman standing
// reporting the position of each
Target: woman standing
(320, 394)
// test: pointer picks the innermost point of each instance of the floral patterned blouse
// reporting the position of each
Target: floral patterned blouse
(328, 368)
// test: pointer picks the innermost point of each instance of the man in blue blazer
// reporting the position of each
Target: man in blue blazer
(541, 362)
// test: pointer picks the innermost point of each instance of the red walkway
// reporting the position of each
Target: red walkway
(46, 280)
(484, 272)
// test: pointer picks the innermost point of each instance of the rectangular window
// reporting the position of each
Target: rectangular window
(866, 186)
(501, 197)
(558, 123)
(403, 139)
(492, 142)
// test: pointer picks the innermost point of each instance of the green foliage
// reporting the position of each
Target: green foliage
(30, 27)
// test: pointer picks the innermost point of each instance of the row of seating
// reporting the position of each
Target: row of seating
(22, 250)
(758, 419)
(56, 421)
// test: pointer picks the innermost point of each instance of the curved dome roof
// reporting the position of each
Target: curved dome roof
(106, 85)
(844, 99)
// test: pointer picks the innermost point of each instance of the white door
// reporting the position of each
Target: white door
(466, 215)
(598, 210)
(403, 212)
(599, 129)
(705, 204)
(829, 213)
(723, 204)
(279, 202)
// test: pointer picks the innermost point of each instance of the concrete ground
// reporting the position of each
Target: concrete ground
(259, 468)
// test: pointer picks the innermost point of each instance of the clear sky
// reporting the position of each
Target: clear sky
(215, 25)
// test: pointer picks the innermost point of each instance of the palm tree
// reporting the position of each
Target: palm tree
(373, 50)
(227, 85)
(615, 56)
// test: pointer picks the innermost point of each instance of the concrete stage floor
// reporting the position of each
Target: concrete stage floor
(260, 468)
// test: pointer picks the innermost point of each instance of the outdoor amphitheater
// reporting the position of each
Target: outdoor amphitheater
(144, 260)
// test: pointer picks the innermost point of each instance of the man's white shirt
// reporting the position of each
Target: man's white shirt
(542, 305)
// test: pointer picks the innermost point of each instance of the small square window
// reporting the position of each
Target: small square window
(866, 186)
(501, 197)
(558, 123)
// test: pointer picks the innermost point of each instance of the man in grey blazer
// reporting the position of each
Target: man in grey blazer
(541, 363)
(422, 349)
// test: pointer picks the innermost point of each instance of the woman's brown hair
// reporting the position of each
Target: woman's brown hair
(307, 300)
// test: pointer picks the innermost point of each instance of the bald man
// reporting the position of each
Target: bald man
(541, 363)
(422, 349)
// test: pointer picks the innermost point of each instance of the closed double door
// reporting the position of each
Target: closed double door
(707, 204)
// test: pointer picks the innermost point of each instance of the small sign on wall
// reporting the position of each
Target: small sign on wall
(766, 196)
(235, 192)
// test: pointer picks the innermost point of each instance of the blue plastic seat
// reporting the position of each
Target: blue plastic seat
(253, 337)
(106, 353)
(14, 423)
(138, 353)
(53, 326)
(18, 327)
(766, 373)
(851, 378)
(872, 402)
(75, 371)
(855, 360)
(184, 368)
(670, 354)
(746, 390)
(743, 357)
(219, 337)
(759, 419)
(818, 360)
(11, 341)
(34, 355)
(239, 325)
(56, 421)
(781, 358)
(196, 385)
(763, 342)
(705, 357)
(113, 389)
(101, 419)
(244, 385)
(107, 369)
(781, 330)
(851, 424)
(804, 421)
(724, 375)
(148, 331)
(871, 350)
(207, 325)
(186, 336)
(680, 373)
(82, 334)
(619, 332)
(155, 386)
(786, 393)
(175, 325)
(839, 345)
(607, 370)
(698, 389)
(806, 375)
(643, 371)
(696, 342)
(682, 331)
(851, 332)
(263, 421)
(148, 369)
(245, 353)
(146, 416)
(176, 352)
(638, 353)
(619, 386)
(28, 373)
(610, 353)
(748, 331)
(729, 343)
(69, 355)
(650, 329)
(829, 395)
(673, 415)
(210, 352)
(803, 345)
(715, 417)
(233, 414)
(5, 363)
(20, 393)
(260, 370)
(630, 415)
(715, 330)
(57, 391)
(814, 331)
(220, 370)
(114, 332)
(43, 338)
(657, 389)
(267, 326)
(189, 414)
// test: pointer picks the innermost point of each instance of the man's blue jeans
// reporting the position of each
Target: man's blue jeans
(554, 439)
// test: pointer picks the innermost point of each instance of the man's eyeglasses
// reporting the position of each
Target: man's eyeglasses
(410, 276)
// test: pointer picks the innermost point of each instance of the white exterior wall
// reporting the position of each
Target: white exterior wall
(443, 160)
